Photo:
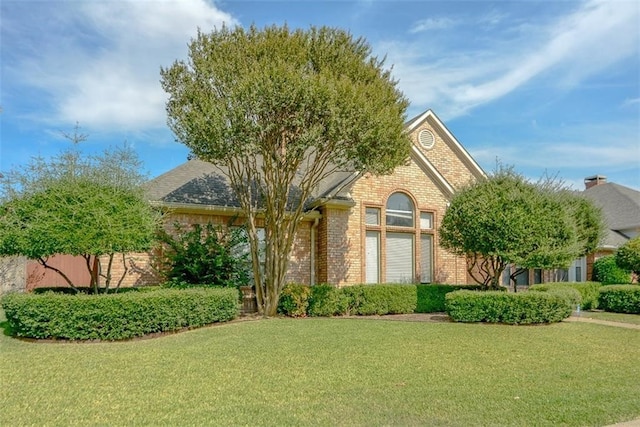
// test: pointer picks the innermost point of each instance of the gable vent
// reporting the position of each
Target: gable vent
(426, 138)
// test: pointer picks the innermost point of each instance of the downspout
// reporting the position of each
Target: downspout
(312, 276)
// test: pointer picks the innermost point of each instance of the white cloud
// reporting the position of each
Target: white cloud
(565, 53)
(431, 24)
(102, 66)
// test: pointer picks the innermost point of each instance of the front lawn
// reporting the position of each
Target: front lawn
(330, 372)
(612, 317)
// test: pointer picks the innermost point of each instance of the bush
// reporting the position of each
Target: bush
(327, 300)
(116, 316)
(431, 297)
(381, 299)
(209, 255)
(606, 270)
(294, 300)
(502, 307)
(620, 298)
(589, 291)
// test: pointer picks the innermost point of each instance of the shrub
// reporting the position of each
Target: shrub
(327, 300)
(381, 299)
(620, 298)
(589, 291)
(628, 256)
(209, 255)
(502, 307)
(606, 270)
(294, 300)
(431, 297)
(116, 316)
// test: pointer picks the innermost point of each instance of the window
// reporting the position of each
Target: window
(399, 211)
(398, 249)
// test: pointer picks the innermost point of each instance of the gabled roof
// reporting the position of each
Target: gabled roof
(620, 205)
(199, 183)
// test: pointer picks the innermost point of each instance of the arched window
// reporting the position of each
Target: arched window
(399, 211)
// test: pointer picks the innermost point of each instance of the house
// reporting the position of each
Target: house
(621, 209)
(620, 206)
(359, 228)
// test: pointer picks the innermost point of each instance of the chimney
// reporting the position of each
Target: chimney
(592, 181)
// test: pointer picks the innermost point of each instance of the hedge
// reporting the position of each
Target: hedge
(116, 316)
(589, 291)
(431, 297)
(620, 298)
(502, 307)
(325, 300)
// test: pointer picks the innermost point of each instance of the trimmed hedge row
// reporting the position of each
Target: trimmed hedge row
(116, 316)
(511, 308)
(326, 300)
(589, 291)
(620, 298)
(431, 297)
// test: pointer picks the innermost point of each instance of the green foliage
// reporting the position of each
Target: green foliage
(85, 206)
(503, 307)
(628, 256)
(381, 299)
(281, 109)
(505, 219)
(116, 316)
(606, 271)
(294, 300)
(620, 298)
(431, 297)
(589, 291)
(327, 300)
(209, 255)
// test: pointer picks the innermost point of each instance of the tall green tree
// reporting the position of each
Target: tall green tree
(90, 206)
(280, 110)
(506, 220)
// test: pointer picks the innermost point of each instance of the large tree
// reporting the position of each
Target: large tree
(506, 220)
(280, 110)
(89, 206)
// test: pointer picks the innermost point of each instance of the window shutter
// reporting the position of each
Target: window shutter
(400, 258)
(426, 258)
(372, 259)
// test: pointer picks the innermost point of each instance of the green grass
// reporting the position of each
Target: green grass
(612, 317)
(330, 372)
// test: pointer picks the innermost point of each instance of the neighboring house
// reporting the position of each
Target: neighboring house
(621, 210)
(359, 228)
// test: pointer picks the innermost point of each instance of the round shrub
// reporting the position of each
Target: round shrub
(116, 316)
(620, 298)
(511, 308)
(606, 270)
(294, 300)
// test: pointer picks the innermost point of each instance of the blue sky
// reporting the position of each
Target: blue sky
(544, 86)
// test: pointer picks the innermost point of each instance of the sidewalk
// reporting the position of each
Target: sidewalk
(604, 322)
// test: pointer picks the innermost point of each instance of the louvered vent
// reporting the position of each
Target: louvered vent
(426, 138)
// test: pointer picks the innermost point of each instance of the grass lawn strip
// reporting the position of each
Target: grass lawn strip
(330, 372)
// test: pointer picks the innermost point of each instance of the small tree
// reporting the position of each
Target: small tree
(209, 255)
(506, 220)
(279, 111)
(628, 256)
(607, 271)
(90, 207)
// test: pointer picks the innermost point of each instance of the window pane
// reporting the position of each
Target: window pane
(372, 258)
(372, 216)
(426, 258)
(400, 258)
(426, 220)
(399, 211)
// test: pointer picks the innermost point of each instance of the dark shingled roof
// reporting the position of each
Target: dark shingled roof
(621, 208)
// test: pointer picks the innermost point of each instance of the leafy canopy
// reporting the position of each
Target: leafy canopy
(280, 110)
(87, 206)
(628, 256)
(505, 219)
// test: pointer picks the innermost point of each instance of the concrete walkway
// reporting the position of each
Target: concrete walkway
(603, 322)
